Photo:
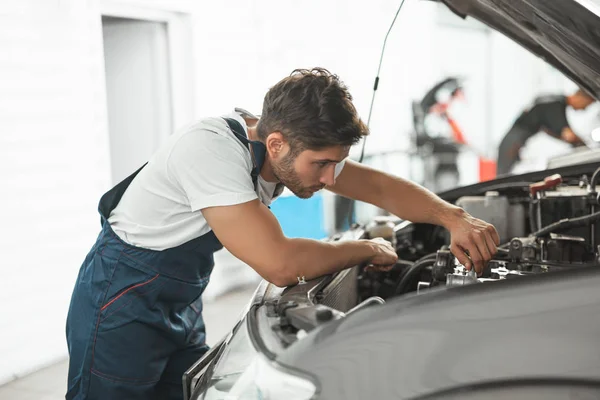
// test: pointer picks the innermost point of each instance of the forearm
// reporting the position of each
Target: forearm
(312, 258)
(251, 233)
(412, 202)
(398, 196)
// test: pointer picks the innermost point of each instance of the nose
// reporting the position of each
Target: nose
(328, 177)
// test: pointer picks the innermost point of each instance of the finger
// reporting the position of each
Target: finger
(376, 268)
(482, 246)
(476, 257)
(491, 245)
(391, 260)
(381, 240)
(371, 267)
(494, 233)
(460, 255)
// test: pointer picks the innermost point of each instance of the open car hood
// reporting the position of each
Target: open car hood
(565, 33)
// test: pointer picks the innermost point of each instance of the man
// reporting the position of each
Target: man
(548, 114)
(135, 322)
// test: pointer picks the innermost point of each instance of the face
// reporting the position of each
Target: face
(582, 101)
(310, 170)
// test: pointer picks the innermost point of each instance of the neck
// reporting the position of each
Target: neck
(267, 170)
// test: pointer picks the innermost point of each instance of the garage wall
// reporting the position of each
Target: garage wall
(55, 159)
(260, 43)
(53, 166)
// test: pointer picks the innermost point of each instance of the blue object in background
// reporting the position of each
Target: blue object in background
(300, 217)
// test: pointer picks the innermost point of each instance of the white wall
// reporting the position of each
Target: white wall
(55, 157)
(260, 43)
(53, 167)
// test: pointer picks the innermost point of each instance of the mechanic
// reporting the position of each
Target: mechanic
(548, 114)
(135, 321)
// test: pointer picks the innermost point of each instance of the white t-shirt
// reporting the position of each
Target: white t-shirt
(201, 165)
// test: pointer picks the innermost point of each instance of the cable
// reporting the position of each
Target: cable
(593, 207)
(413, 272)
(375, 86)
(558, 264)
(403, 263)
(554, 264)
(532, 223)
(594, 179)
(567, 223)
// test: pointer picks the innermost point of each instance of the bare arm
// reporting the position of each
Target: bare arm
(400, 197)
(569, 136)
(417, 204)
(252, 234)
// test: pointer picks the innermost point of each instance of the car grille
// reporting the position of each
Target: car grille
(342, 292)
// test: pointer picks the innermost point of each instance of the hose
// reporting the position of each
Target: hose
(532, 224)
(594, 179)
(593, 208)
(403, 263)
(568, 223)
(559, 264)
(413, 272)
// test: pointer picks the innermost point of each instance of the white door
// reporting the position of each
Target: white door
(138, 91)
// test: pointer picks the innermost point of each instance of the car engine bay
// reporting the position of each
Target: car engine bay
(553, 226)
(549, 228)
(544, 226)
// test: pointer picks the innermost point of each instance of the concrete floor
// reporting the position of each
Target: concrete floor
(50, 383)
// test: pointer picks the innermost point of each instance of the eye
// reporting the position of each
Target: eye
(322, 164)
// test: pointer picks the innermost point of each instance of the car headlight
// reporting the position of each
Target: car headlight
(242, 373)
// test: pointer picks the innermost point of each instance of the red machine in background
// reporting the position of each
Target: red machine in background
(439, 152)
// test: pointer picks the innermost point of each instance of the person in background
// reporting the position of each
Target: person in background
(548, 114)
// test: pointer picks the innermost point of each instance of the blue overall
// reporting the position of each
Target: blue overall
(135, 320)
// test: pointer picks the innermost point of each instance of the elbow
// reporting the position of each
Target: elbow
(281, 272)
(285, 267)
(281, 282)
(281, 278)
(282, 269)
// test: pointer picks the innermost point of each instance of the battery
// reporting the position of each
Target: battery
(566, 202)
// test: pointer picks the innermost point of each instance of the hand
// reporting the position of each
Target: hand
(569, 136)
(384, 255)
(475, 237)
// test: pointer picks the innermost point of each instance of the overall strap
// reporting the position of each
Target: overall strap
(110, 199)
(258, 150)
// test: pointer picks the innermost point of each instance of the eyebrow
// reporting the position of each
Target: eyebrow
(329, 160)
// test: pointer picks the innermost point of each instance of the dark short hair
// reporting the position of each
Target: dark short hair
(584, 92)
(313, 110)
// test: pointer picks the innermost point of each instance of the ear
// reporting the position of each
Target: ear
(276, 145)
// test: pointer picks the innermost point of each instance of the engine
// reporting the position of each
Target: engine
(544, 226)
